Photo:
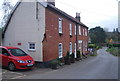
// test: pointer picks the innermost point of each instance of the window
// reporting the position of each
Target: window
(85, 32)
(70, 25)
(75, 30)
(60, 50)
(17, 52)
(75, 50)
(79, 30)
(60, 25)
(70, 47)
(5, 52)
(31, 46)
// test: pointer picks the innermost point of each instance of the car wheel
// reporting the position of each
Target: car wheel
(11, 66)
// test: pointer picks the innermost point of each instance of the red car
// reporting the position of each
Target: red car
(15, 58)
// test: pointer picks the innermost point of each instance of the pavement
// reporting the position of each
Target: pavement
(102, 66)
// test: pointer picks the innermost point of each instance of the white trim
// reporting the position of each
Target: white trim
(60, 51)
(33, 47)
(70, 47)
(75, 50)
(60, 25)
(70, 26)
(75, 30)
(79, 30)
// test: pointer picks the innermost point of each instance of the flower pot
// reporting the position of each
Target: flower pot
(54, 66)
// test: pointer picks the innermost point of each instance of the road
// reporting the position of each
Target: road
(102, 66)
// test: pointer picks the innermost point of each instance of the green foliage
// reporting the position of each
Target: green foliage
(78, 54)
(72, 55)
(97, 35)
(91, 45)
(55, 61)
(114, 50)
(67, 58)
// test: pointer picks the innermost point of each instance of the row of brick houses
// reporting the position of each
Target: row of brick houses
(44, 31)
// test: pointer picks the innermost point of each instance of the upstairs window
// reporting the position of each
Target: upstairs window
(70, 25)
(75, 30)
(60, 50)
(60, 25)
(79, 30)
(85, 32)
(70, 47)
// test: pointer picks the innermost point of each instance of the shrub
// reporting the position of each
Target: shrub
(54, 64)
(78, 55)
(67, 58)
(72, 58)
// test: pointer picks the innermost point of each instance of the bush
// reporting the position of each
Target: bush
(67, 58)
(116, 45)
(54, 64)
(78, 56)
(91, 45)
(61, 61)
(72, 58)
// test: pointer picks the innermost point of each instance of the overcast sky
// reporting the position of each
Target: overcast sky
(94, 13)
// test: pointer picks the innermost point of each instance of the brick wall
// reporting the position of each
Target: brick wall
(52, 37)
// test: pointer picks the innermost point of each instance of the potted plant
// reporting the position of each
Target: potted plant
(54, 64)
(67, 58)
(78, 56)
(72, 58)
(61, 61)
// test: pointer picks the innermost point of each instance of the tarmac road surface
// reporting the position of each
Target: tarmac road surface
(102, 66)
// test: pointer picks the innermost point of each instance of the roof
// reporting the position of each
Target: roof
(65, 14)
(46, 5)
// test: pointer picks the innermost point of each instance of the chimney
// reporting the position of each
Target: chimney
(77, 16)
(51, 2)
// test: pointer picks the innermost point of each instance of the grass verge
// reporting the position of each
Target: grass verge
(114, 51)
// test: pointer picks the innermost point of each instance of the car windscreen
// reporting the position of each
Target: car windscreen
(17, 52)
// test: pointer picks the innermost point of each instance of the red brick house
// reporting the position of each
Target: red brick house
(44, 31)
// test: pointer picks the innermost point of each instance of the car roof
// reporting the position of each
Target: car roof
(8, 47)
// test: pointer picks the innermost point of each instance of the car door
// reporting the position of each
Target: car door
(5, 57)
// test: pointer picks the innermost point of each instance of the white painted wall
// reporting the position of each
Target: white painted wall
(24, 28)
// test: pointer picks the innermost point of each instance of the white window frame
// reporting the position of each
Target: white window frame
(30, 47)
(70, 25)
(75, 30)
(75, 50)
(85, 32)
(60, 25)
(70, 47)
(79, 30)
(60, 50)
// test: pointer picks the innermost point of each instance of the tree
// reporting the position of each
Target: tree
(97, 35)
(6, 8)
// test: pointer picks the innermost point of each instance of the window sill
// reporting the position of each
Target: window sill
(32, 50)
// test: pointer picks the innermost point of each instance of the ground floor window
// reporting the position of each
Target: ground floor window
(31, 46)
(75, 50)
(60, 48)
(70, 47)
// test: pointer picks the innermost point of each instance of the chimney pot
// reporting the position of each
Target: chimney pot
(77, 16)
